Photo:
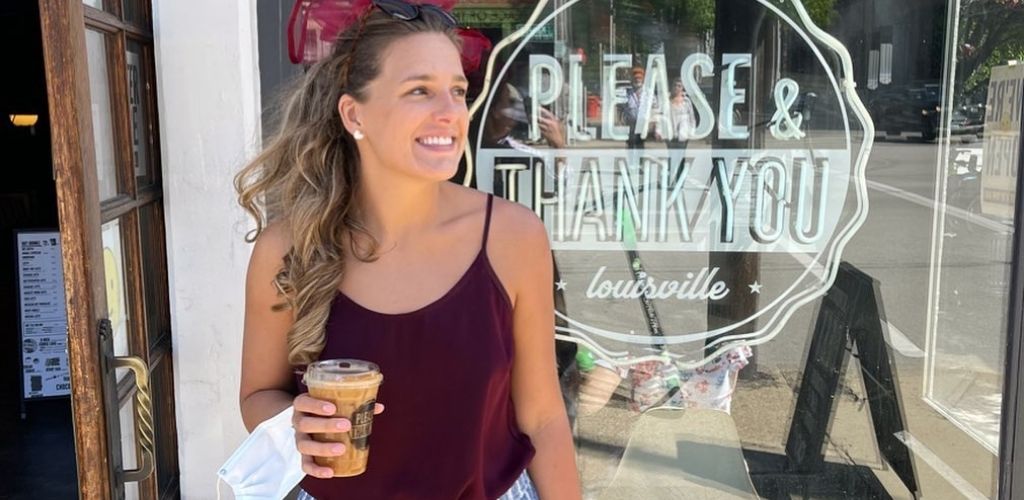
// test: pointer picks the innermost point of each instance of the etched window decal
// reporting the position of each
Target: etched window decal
(666, 157)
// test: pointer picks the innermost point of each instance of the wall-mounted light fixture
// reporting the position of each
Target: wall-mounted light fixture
(873, 62)
(24, 120)
(885, 64)
(885, 60)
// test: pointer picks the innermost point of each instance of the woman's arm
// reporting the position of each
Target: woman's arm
(540, 411)
(266, 374)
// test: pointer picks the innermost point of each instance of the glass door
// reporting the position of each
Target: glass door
(100, 79)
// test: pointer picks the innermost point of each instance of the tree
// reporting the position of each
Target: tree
(822, 12)
(991, 33)
(700, 14)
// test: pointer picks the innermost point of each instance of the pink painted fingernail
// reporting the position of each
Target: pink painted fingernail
(341, 425)
(337, 448)
(328, 408)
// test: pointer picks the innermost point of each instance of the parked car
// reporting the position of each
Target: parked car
(913, 108)
(969, 116)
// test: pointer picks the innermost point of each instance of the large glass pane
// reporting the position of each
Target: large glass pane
(138, 109)
(136, 12)
(117, 302)
(964, 376)
(102, 123)
(781, 231)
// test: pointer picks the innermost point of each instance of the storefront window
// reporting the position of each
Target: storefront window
(792, 219)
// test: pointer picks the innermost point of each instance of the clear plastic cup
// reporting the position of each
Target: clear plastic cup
(351, 385)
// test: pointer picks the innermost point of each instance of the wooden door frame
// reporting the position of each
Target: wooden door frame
(74, 162)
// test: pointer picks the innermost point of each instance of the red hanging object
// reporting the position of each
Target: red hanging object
(314, 25)
(475, 46)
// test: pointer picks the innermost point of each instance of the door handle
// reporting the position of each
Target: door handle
(143, 416)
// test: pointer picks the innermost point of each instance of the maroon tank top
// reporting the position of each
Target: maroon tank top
(449, 430)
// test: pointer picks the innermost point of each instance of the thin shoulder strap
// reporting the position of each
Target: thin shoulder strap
(487, 222)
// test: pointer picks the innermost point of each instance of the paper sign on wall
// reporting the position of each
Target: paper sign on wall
(43, 314)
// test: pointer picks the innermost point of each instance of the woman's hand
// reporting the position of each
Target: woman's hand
(317, 416)
(551, 129)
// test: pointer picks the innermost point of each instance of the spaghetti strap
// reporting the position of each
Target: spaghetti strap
(487, 222)
(478, 307)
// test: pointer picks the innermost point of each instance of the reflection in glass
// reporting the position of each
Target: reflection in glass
(113, 269)
(965, 371)
(141, 127)
(102, 123)
(887, 387)
(135, 11)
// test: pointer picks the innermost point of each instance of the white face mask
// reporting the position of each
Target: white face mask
(267, 465)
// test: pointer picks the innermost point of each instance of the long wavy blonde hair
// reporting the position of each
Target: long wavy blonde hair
(308, 175)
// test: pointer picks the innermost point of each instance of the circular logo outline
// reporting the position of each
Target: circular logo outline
(785, 305)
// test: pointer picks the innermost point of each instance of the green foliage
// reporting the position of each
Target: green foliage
(822, 12)
(991, 33)
(699, 15)
(643, 25)
(998, 57)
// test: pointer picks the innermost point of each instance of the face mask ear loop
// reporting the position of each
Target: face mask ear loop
(218, 486)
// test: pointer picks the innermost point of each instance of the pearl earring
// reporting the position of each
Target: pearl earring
(358, 134)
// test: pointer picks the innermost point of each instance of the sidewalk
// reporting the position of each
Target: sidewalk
(948, 463)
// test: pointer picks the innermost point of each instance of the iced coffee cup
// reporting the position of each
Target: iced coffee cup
(351, 385)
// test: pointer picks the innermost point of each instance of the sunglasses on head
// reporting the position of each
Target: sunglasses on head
(399, 9)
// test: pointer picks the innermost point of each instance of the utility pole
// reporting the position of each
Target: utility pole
(738, 30)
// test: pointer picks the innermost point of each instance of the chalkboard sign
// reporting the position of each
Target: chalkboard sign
(850, 317)
(43, 315)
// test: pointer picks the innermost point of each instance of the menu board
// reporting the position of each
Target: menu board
(43, 313)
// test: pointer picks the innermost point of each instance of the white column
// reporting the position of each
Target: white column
(209, 105)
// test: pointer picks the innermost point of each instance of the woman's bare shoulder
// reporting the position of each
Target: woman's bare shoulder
(518, 246)
(466, 205)
(514, 222)
(511, 223)
(270, 247)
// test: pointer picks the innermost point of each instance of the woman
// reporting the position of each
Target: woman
(364, 250)
(682, 114)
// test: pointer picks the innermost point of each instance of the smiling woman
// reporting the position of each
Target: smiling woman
(420, 110)
(364, 250)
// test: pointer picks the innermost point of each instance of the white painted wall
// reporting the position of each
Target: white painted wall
(209, 104)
